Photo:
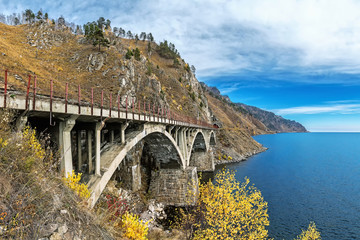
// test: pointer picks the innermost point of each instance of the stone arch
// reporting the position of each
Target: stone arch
(198, 149)
(156, 135)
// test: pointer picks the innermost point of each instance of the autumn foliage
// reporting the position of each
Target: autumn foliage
(228, 209)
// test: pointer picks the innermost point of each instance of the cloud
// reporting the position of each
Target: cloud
(345, 108)
(287, 39)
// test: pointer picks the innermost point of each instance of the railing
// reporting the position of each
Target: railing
(35, 88)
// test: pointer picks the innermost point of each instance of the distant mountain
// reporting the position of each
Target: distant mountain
(272, 121)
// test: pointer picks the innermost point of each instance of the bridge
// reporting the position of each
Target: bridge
(144, 145)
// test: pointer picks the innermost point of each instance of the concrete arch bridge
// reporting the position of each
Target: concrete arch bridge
(143, 145)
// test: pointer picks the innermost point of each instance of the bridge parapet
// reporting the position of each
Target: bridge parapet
(104, 133)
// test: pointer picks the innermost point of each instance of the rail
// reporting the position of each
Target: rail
(35, 88)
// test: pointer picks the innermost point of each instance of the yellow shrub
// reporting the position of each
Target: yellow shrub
(3, 143)
(134, 229)
(229, 158)
(230, 210)
(72, 181)
(310, 234)
(31, 142)
(225, 157)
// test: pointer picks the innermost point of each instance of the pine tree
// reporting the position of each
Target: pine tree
(143, 36)
(95, 34)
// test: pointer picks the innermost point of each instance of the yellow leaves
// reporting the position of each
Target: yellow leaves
(31, 142)
(72, 181)
(60, 69)
(3, 143)
(134, 229)
(310, 234)
(232, 210)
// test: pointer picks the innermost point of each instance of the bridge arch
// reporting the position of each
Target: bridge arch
(198, 148)
(167, 152)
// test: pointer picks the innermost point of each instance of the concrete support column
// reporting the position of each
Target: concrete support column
(89, 150)
(170, 129)
(65, 141)
(79, 150)
(111, 140)
(176, 135)
(122, 130)
(182, 142)
(98, 134)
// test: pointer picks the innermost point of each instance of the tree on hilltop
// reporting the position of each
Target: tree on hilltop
(39, 15)
(129, 34)
(143, 36)
(29, 16)
(150, 37)
(95, 34)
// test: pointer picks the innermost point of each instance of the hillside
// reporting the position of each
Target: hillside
(137, 70)
(269, 121)
(157, 75)
(273, 122)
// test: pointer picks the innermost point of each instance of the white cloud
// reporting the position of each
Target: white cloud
(336, 108)
(228, 37)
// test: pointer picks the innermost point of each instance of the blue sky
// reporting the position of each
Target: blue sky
(300, 59)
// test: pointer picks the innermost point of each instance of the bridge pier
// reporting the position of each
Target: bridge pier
(122, 130)
(79, 149)
(65, 143)
(176, 187)
(98, 127)
(89, 149)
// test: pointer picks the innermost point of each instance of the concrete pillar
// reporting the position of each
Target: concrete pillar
(176, 135)
(98, 134)
(65, 140)
(111, 140)
(79, 150)
(170, 129)
(182, 142)
(122, 129)
(89, 149)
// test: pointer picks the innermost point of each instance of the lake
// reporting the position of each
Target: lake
(308, 177)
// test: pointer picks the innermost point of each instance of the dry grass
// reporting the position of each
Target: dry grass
(33, 198)
(66, 61)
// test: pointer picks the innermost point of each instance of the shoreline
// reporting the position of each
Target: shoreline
(243, 157)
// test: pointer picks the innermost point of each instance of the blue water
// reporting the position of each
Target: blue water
(308, 177)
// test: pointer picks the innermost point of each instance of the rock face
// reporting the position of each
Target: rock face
(262, 119)
(273, 122)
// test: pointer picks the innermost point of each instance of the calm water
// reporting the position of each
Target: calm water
(308, 177)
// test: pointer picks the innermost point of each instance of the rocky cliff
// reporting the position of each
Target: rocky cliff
(273, 122)
(53, 52)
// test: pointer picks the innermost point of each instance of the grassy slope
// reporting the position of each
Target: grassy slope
(234, 138)
(57, 62)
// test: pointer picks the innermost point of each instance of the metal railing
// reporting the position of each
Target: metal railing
(35, 88)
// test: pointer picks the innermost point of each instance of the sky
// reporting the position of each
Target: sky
(299, 59)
